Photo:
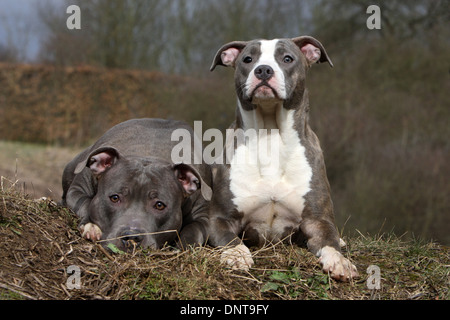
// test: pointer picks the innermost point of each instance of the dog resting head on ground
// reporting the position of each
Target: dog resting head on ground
(127, 192)
(275, 187)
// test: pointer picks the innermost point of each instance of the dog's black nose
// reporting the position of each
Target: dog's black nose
(129, 237)
(264, 72)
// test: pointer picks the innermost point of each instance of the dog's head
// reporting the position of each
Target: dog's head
(270, 69)
(139, 200)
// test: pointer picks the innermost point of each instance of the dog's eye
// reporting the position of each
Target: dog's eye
(288, 59)
(247, 59)
(114, 198)
(160, 205)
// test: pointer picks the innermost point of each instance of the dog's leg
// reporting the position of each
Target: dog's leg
(324, 242)
(333, 262)
(235, 255)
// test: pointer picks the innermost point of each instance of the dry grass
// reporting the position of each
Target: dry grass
(36, 169)
(39, 241)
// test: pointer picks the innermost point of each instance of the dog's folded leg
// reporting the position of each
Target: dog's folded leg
(91, 231)
(237, 258)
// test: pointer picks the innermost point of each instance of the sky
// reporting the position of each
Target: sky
(20, 25)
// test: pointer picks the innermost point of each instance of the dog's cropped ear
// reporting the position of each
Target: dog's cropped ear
(191, 180)
(313, 50)
(99, 160)
(227, 55)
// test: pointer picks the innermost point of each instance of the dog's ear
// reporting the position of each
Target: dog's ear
(227, 55)
(191, 180)
(313, 50)
(99, 160)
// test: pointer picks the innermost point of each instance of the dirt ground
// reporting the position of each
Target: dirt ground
(42, 257)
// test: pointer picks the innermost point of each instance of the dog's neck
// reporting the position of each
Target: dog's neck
(273, 113)
(265, 114)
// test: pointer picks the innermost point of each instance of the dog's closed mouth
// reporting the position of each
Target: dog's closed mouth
(264, 91)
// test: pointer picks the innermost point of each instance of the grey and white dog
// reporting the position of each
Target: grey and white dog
(287, 196)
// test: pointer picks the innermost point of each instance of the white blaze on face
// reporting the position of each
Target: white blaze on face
(277, 82)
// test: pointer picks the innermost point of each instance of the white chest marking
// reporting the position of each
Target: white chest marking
(270, 174)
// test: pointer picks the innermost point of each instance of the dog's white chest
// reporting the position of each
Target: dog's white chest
(270, 176)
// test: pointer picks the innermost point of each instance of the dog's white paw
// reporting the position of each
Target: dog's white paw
(91, 231)
(238, 258)
(334, 263)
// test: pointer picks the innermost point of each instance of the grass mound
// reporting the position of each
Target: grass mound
(40, 247)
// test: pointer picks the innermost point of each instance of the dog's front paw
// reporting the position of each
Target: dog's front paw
(334, 263)
(91, 231)
(238, 258)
